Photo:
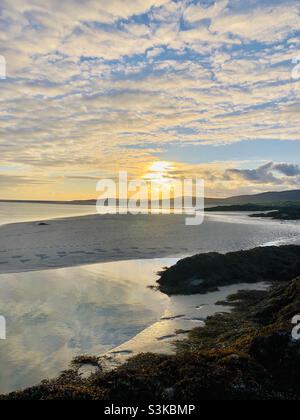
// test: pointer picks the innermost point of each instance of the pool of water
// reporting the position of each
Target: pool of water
(54, 315)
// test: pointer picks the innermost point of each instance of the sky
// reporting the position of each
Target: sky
(190, 88)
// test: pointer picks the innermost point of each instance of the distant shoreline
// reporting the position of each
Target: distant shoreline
(279, 211)
(262, 198)
(86, 203)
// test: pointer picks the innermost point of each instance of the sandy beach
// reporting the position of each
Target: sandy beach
(77, 241)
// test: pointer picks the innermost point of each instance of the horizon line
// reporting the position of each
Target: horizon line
(94, 200)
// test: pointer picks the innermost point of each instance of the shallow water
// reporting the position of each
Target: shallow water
(11, 212)
(55, 315)
(29, 212)
(182, 314)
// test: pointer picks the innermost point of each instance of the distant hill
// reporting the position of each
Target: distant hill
(267, 197)
(263, 198)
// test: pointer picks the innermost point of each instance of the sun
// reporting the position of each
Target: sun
(160, 174)
(160, 167)
(159, 171)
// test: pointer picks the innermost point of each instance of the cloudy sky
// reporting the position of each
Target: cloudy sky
(211, 88)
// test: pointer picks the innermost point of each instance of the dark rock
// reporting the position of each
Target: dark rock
(270, 349)
(215, 270)
(283, 214)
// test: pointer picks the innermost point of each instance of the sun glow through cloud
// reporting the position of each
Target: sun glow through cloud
(160, 174)
(161, 167)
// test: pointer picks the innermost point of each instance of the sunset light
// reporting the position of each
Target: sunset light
(150, 202)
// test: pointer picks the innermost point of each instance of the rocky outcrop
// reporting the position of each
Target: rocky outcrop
(282, 214)
(206, 272)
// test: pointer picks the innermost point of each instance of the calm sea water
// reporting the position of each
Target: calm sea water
(54, 315)
(29, 212)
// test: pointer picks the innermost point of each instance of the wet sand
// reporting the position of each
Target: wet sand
(93, 239)
(183, 314)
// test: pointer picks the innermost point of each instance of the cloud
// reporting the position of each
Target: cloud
(287, 169)
(262, 174)
(8, 181)
(85, 78)
(263, 23)
(198, 12)
(265, 174)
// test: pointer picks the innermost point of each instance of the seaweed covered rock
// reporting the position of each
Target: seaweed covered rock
(271, 348)
(280, 304)
(57, 392)
(225, 375)
(280, 356)
(148, 377)
(206, 272)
